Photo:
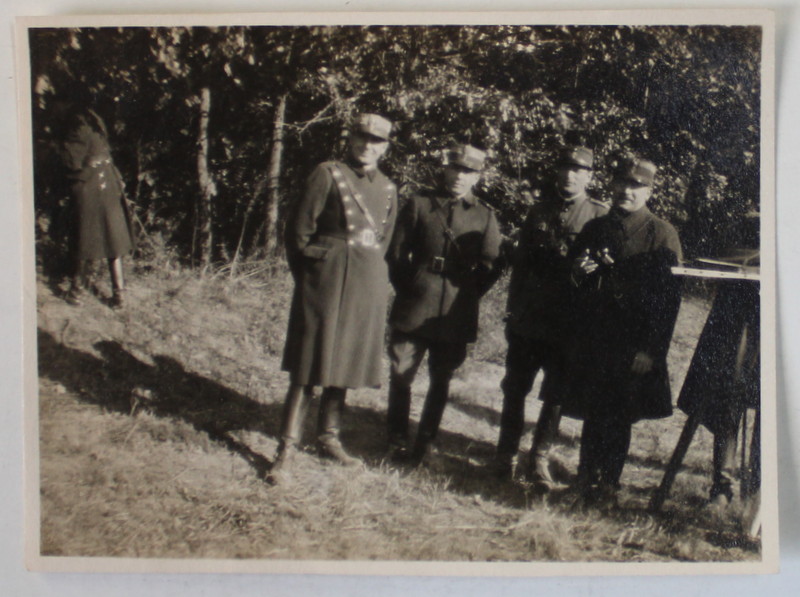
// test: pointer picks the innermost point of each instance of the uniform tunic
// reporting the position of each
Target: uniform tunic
(625, 308)
(540, 290)
(338, 313)
(103, 227)
(440, 281)
(540, 308)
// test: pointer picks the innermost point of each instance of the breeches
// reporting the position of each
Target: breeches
(524, 358)
(405, 354)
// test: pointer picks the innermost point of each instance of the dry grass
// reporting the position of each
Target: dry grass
(158, 424)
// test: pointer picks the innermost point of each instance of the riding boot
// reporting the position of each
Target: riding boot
(543, 438)
(328, 427)
(432, 412)
(397, 419)
(294, 413)
(512, 421)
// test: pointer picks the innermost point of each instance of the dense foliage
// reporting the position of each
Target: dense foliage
(686, 97)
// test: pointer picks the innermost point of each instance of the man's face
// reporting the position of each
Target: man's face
(458, 181)
(631, 196)
(367, 149)
(572, 179)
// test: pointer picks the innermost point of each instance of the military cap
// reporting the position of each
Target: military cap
(576, 155)
(641, 172)
(372, 124)
(466, 156)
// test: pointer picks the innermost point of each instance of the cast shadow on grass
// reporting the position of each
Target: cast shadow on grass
(120, 382)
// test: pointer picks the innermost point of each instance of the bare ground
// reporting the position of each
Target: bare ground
(158, 424)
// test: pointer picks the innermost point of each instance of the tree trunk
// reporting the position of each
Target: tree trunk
(273, 180)
(259, 188)
(207, 187)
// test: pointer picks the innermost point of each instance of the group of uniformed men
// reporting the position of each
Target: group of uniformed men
(591, 303)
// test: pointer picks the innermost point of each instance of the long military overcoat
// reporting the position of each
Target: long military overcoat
(540, 291)
(337, 257)
(439, 280)
(726, 366)
(100, 217)
(624, 308)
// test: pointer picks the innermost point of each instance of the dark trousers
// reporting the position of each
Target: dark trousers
(605, 441)
(406, 352)
(524, 358)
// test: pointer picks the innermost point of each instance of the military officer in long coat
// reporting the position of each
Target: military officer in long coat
(337, 236)
(442, 259)
(540, 313)
(617, 373)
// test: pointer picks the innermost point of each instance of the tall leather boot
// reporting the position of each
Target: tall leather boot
(431, 418)
(397, 416)
(328, 427)
(295, 408)
(543, 438)
(512, 421)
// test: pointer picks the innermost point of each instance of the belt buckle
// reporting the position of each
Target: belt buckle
(437, 265)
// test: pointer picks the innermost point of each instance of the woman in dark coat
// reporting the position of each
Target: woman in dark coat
(629, 301)
(724, 377)
(337, 236)
(101, 222)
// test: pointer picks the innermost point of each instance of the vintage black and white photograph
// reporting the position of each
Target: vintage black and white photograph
(474, 292)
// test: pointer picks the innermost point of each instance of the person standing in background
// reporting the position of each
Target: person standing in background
(101, 223)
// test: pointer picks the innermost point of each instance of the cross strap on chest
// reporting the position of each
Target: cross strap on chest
(448, 232)
(347, 190)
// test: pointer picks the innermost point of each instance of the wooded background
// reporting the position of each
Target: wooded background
(216, 128)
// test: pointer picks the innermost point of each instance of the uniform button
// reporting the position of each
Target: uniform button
(348, 211)
(345, 198)
(351, 242)
(351, 227)
(383, 221)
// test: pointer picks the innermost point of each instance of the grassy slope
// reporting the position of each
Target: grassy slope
(158, 423)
